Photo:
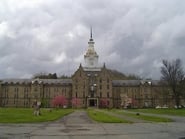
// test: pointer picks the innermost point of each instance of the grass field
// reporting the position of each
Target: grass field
(143, 117)
(25, 115)
(174, 112)
(104, 118)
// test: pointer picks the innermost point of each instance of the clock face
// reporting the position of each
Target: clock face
(91, 58)
(91, 61)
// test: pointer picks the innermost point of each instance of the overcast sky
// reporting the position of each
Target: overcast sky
(131, 36)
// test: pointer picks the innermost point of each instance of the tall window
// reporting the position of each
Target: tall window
(84, 85)
(80, 74)
(100, 87)
(108, 94)
(146, 96)
(6, 94)
(17, 94)
(25, 92)
(100, 80)
(25, 89)
(145, 90)
(135, 96)
(47, 92)
(100, 94)
(35, 89)
(16, 89)
(107, 80)
(107, 86)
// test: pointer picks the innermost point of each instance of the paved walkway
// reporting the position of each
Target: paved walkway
(78, 117)
(78, 126)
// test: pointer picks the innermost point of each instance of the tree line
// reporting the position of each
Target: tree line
(43, 75)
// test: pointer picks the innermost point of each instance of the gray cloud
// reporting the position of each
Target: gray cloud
(132, 36)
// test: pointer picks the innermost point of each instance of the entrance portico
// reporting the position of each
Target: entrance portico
(93, 102)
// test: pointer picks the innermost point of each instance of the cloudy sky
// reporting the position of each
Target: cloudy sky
(132, 36)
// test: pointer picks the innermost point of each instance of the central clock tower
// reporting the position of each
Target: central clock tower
(91, 57)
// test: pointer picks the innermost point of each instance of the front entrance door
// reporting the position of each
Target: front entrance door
(92, 103)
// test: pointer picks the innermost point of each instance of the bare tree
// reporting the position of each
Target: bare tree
(173, 74)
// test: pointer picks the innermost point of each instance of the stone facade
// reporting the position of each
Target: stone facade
(23, 92)
(92, 85)
(141, 93)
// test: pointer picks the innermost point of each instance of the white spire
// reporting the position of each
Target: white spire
(91, 33)
(91, 57)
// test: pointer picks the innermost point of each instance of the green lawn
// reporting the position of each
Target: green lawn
(174, 112)
(104, 118)
(144, 117)
(25, 115)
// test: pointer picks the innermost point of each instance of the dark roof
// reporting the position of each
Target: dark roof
(43, 81)
(156, 82)
(135, 82)
(16, 81)
(125, 82)
(56, 81)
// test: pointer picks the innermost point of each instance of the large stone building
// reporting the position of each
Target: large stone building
(91, 84)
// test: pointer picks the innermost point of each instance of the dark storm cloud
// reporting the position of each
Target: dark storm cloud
(132, 36)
